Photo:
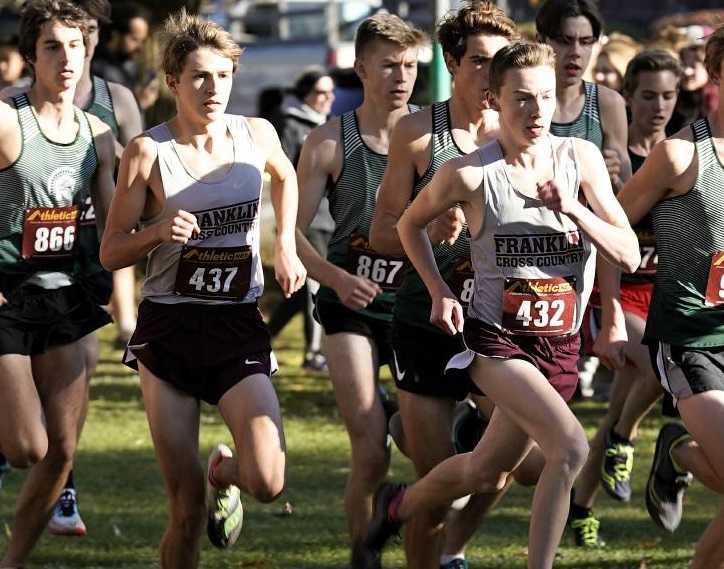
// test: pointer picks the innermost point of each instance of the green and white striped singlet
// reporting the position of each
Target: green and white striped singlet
(588, 124)
(46, 174)
(689, 231)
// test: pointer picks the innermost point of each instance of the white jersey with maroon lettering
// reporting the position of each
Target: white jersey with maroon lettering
(534, 268)
(222, 265)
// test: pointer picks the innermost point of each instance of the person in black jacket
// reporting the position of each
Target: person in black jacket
(307, 108)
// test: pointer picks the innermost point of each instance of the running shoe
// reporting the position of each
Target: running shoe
(616, 469)
(585, 531)
(390, 408)
(225, 514)
(66, 518)
(382, 528)
(315, 361)
(667, 484)
(4, 468)
(468, 426)
(456, 564)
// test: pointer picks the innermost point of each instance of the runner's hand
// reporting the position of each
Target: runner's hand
(610, 345)
(447, 313)
(446, 227)
(179, 228)
(555, 200)
(356, 292)
(3, 300)
(289, 271)
(613, 165)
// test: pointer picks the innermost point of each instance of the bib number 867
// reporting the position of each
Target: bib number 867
(54, 239)
(198, 279)
(381, 271)
(541, 313)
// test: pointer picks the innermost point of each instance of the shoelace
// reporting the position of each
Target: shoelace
(622, 461)
(588, 528)
(67, 504)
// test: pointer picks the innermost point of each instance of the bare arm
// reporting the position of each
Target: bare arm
(127, 113)
(121, 245)
(321, 159)
(615, 137)
(288, 269)
(458, 181)
(102, 185)
(606, 225)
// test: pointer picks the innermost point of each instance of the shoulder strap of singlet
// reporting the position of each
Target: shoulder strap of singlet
(351, 139)
(102, 93)
(704, 143)
(28, 124)
(592, 105)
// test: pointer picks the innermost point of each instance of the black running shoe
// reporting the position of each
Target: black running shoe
(666, 485)
(585, 531)
(468, 426)
(616, 469)
(382, 528)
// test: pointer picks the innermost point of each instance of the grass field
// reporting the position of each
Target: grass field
(123, 503)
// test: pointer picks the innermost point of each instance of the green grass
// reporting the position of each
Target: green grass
(123, 502)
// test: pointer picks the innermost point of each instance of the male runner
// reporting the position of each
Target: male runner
(52, 157)
(532, 247)
(680, 184)
(192, 185)
(650, 85)
(421, 143)
(346, 158)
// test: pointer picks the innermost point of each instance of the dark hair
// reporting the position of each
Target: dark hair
(124, 12)
(474, 17)
(9, 23)
(652, 60)
(715, 53)
(306, 81)
(519, 55)
(37, 13)
(97, 9)
(185, 33)
(552, 13)
(387, 27)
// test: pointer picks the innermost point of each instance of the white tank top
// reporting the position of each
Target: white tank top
(534, 268)
(222, 266)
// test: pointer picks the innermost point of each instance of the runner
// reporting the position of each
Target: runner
(346, 158)
(680, 185)
(193, 185)
(421, 143)
(533, 245)
(651, 84)
(52, 157)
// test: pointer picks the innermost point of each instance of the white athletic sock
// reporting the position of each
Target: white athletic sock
(448, 558)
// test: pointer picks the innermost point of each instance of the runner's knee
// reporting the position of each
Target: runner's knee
(571, 455)
(25, 451)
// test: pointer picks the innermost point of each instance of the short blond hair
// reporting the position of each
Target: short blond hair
(519, 55)
(715, 53)
(185, 33)
(387, 27)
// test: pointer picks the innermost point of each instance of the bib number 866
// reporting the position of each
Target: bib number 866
(381, 271)
(541, 313)
(198, 279)
(54, 239)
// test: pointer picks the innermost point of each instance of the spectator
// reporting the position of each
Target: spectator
(612, 60)
(12, 66)
(116, 58)
(313, 94)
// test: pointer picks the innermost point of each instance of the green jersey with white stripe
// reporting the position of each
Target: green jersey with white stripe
(588, 124)
(690, 242)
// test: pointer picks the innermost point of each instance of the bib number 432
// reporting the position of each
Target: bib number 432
(539, 307)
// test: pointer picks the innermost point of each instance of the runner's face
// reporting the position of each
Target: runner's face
(653, 101)
(526, 103)
(606, 74)
(388, 73)
(11, 64)
(203, 86)
(472, 73)
(573, 47)
(92, 38)
(59, 56)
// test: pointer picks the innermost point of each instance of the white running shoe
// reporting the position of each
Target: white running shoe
(66, 518)
(225, 514)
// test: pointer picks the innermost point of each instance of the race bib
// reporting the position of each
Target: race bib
(462, 281)
(649, 257)
(49, 232)
(214, 273)
(364, 261)
(87, 213)
(715, 285)
(539, 307)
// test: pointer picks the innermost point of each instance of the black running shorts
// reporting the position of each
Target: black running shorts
(420, 357)
(685, 371)
(336, 318)
(35, 319)
(202, 350)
